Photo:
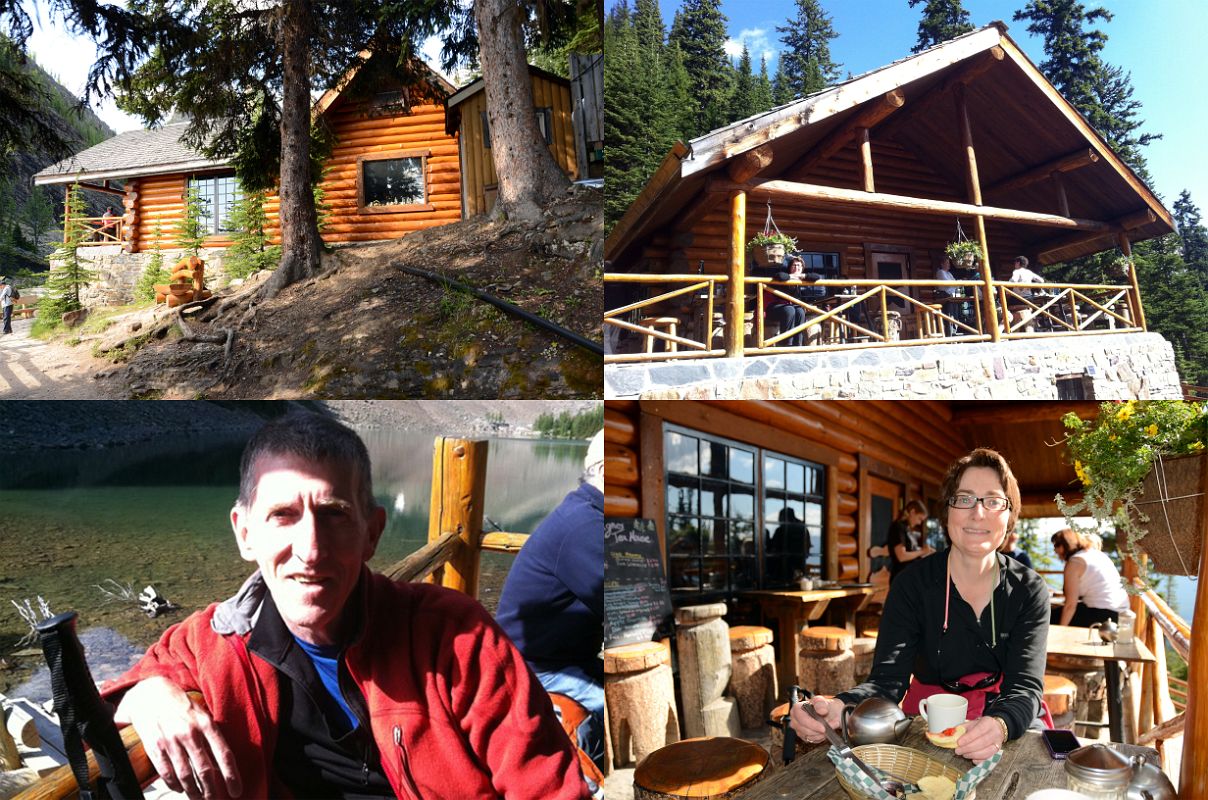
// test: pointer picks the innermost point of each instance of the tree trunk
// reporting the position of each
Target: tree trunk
(300, 243)
(528, 175)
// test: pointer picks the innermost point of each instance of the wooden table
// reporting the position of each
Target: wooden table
(792, 609)
(1066, 640)
(1025, 767)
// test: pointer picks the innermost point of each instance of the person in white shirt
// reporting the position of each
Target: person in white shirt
(1093, 589)
(1021, 274)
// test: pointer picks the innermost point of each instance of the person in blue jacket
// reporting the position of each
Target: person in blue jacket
(552, 604)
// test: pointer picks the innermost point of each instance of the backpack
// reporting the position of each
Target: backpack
(16, 294)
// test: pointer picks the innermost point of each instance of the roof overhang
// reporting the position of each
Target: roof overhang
(452, 121)
(132, 172)
(1022, 118)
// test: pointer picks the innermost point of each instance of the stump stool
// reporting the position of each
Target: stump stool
(703, 647)
(1090, 692)
(639, 693)
(776, 738)
(700, 769)
(752, 673)
(657, 323)
(863, 647)
(825, 663)
(1060, 694)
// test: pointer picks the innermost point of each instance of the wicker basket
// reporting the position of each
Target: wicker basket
(1183, 479)
(903, 763)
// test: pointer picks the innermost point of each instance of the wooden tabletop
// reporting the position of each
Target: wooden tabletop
(812, 596)
(1025, 767)
(1066, 640)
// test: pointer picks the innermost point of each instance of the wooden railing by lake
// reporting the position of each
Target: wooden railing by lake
(687, 314)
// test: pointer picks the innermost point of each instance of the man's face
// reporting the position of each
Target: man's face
(309, 536)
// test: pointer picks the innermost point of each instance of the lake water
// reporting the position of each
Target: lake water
(157, 513)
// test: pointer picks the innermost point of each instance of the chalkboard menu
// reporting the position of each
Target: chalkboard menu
(636, 603)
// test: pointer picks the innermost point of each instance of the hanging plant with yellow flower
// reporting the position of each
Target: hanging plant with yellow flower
(1113, 453)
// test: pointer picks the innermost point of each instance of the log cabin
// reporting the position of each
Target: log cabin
(715, 477)
(872, 178)
(392, 169)
(466, 117)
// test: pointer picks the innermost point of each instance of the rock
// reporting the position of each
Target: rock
(137, 326)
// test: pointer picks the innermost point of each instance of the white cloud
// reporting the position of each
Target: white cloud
(758, 44)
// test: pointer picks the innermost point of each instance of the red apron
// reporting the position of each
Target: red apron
(976, 697)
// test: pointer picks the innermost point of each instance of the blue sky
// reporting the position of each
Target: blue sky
(1158, 41)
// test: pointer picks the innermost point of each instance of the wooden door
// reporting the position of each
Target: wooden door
(891, 267)
(885, 503)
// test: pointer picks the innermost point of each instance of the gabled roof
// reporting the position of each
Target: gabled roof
(453, 116)
(160, 151)
(1020, 123)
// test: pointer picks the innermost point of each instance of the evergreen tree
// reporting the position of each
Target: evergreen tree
(191, 231)
(942, 20)
(678, 95)
(154, 273)
(70, 274)
(1071, 48)
(39, 213)
(1193, 235)
(648, 26)
(806, 58)
(782, 90)
(742, 102)
(1114, 116)
(1176, 305)
(763, 87)
(250, 251)
(700, 31)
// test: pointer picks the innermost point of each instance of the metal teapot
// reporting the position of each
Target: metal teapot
(1098, 769)
(874, 721)
(1149, 782)
(1107, 631)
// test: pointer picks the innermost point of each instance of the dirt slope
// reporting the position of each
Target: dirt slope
(366, 329)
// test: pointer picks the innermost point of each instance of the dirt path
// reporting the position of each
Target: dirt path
(32, 369)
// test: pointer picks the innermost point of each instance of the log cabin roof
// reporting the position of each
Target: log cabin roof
(159, 151)
(453, 115)
(1021, 126)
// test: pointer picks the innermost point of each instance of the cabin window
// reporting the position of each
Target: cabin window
(217, 194)
(738, 517)
(393, 182)
(388, 104)
(825, 264)
(545, 124)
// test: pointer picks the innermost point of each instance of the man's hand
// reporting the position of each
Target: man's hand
(983, 738)
(181, 740)
(810, 729)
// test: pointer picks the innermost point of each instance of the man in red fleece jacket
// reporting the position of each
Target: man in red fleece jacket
(322, 679)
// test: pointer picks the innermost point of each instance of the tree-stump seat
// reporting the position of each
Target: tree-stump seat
(639, 695)
(700, 769)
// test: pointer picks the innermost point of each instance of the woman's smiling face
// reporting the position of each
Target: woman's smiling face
(976, 532)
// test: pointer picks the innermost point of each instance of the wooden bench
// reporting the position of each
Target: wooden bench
(24, 307)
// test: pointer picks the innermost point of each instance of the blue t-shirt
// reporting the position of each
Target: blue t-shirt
(326, 659)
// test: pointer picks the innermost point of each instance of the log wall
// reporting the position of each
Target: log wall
(477, 163)
(818, 227)
(911, 444)
(420, 131)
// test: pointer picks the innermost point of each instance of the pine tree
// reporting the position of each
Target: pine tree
(678, 96)
(782, 91)
(700, 31)
(154, 273)
(70, 274)
(942, 20)
(250, 251)
(1114, 116)
(648, 26)
(1193, 235)
(39, 213)
(806, 58)
(763, 87)
(190, 231)
(1176, 305)
(1071, 48)
(742, 102)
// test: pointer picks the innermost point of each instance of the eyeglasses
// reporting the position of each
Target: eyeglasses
(991, 503)
(956, 687)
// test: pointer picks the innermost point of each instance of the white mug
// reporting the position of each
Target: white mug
(943, 711)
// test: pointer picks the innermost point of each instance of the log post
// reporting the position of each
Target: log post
(1126, 249)
(737, 291)
(1193, 776)
(975, 197)
(459, 477)
(66, 210)
(1063, 202)
(866, 160)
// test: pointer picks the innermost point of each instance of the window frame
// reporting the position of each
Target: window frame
(395, 155)
(545, 126)
(213, 231)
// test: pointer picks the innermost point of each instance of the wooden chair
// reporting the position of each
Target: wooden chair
(929, 324)
(700, 769)
(667, 324)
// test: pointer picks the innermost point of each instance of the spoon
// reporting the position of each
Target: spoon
(893, 788)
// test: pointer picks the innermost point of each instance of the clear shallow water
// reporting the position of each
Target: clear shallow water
(157, 513)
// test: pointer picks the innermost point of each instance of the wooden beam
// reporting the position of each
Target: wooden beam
(697, 210)
(1016, 413)
(1193, 777)
(1169, 728)
(1126, 249)
(736, 294)
(1137, 219)
(873, 114)
(1081, 157)
(106, 188)
(789, 190)
(926, 104)
(746, 166)
(866, 159)
(1063, 202)
(972, 182)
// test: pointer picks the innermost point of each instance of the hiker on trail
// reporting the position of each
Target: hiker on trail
(6, 303)
(323, 679)
(552, 604)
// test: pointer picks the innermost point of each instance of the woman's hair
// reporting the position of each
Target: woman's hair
(1070, 541)
(915, 506)
(991, 459)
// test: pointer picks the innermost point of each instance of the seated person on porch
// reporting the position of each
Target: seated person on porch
(785, 314)
(107, 230)
(1092, 588)
(968, 620)
(323, 679)
(944, 273)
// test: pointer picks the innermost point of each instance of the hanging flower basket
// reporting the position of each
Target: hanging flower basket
(1172, 497)
(769, 246)
(1120, 268)
(963, 253)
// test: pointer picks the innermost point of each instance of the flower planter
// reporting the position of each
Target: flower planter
(1172, 497)
(768, 256)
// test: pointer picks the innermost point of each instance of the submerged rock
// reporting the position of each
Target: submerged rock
(109, 655)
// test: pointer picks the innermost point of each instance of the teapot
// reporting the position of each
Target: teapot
(1107, 632)
(1098, 769)
(874, 721)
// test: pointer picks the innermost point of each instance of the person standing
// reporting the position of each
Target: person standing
(905, 540)
(6, 303)
(552, 603)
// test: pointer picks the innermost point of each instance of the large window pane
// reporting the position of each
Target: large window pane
(796, 478)
(683, 536)
(682, 496)
(742, 503)
(393, 182)
(680, 453)
(773, 473)
(742, 466)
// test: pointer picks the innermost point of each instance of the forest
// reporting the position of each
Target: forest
(674, 85)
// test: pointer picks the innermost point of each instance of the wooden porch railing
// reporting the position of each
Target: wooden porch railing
(857, 314)
(99, 230)
(1159, 717)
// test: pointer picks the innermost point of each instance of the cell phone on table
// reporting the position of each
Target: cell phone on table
(1060, 743)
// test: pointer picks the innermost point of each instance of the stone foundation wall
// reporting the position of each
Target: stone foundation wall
(1111, 367)
(117, 272)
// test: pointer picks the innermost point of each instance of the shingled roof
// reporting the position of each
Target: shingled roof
(127, 155)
